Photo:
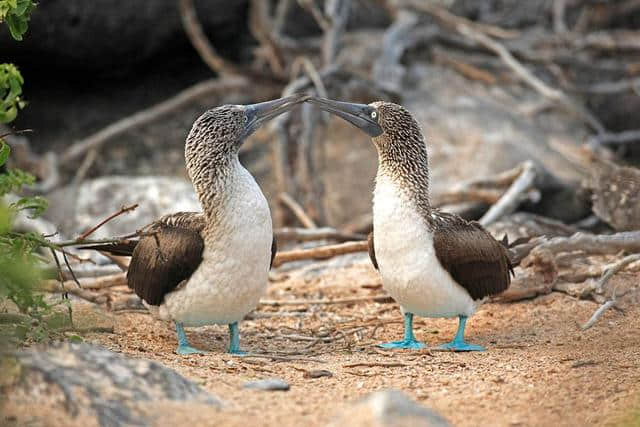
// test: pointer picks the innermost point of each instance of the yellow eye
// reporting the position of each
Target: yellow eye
(374, 114)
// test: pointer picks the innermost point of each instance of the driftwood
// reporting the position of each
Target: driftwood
(321, 252)
(512, 198)
(603, 280)
(213, 87)
(480, 35)
(306, 235)
(297, 210)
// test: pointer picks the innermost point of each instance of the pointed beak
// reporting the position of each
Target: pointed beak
(257, 114)
(358, 115)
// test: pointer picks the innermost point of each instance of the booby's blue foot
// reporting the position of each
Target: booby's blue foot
(234, 340)
(187, 349)
(458, 343)
(183, 344)
(461, 346)
(409, 341)
(408, 344)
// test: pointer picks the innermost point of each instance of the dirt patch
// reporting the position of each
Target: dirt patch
(540, 368)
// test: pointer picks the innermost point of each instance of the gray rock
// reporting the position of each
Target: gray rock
(271, 384)
(94, 200)
(81, 381)
(389, 408)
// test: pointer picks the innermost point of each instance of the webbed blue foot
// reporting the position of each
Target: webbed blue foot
(187, 349)
(461, 346)
(458, 343)
(234, 340)
(183, 344)
(408, 344)
(409, 341)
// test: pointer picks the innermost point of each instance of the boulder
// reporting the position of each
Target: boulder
(390, 408)
(78, 209)
(82, 384)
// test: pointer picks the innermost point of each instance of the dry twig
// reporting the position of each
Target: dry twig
(470, 30)
(512, 198)
(153, 113)
(321, 252)
(307, 235)
(351, 300)
(297, 210)
(375, 364)
(121, 211)
(200, 42)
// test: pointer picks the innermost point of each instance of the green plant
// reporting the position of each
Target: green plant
(20, 263)
(11, 82)
(16, 13)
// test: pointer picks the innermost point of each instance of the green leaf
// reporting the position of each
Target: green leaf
(36, 203)
(17, 14)
(14, 180)
(4, 152)
(11, 82)
(22, 6)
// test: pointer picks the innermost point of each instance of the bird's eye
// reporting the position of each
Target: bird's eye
(374, 114)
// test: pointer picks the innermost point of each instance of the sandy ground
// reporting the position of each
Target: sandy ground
(540, 368)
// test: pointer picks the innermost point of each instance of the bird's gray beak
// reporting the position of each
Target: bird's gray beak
(358, 115)
(257, 114)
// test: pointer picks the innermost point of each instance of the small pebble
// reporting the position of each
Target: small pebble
(271, 384)
(319, 373)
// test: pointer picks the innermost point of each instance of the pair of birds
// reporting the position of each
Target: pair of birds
(212, 267)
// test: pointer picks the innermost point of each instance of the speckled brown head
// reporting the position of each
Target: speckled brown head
(397, 137)
(216, 136)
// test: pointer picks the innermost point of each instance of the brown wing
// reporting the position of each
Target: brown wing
(475, 260)
(274, 249)
(372, 251)
(162, 261)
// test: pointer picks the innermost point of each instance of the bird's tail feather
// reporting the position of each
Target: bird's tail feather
(120, 249)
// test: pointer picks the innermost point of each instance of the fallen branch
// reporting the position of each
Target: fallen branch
(628, 241)
(509, 202)
(610, 272)
(624, 137)
(54, 286)
(469, 30)
(153, 113)
(297, 210)
(321, 252)
(375, 364)
(284, 358)
(597, 314)
(306, 235)
(122, 210)
(337, 12)
(373, 298)
(612, 87)
(484, 190)
(199, 40)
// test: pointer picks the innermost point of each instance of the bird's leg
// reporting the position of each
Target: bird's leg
(183, 343)
(458, 343)
(409, 340)
(234, 340)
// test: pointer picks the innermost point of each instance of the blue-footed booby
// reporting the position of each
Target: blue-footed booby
(434, 264)
(210, 267)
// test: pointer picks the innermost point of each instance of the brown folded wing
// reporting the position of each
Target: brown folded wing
(475, 260)
(162, 261)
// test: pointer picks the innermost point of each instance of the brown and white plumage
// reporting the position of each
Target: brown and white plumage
(163, 260)
(210, 267)
(433, 263)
